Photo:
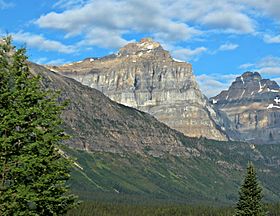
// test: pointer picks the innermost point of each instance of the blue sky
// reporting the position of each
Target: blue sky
(221, 38)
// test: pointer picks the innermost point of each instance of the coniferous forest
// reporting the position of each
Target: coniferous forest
(111, 209)
(42, 174)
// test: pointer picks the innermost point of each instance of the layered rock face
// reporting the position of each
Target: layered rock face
(253, 105)
(98, 124)
(144, 76)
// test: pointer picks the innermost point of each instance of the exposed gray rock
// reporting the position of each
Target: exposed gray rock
(144, 76)
(251, 104)
(98, 124)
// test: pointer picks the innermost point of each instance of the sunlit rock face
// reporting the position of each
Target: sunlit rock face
(253, 105)
(143, 75)
(97, 124)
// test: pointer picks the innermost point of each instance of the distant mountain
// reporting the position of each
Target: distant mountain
(143, 75)
(253, 105)
(127, 155)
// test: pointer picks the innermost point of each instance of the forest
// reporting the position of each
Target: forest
(113, 209)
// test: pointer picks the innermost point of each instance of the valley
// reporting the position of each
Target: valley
(125, 155)
(139, 108)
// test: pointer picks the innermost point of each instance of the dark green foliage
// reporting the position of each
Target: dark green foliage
(202, 179)
(135, 178)
(250, 195)
(273, 209)
(113, 209)
(33, 169)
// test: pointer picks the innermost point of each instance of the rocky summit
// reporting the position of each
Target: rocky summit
(253, 105)
(143, 75)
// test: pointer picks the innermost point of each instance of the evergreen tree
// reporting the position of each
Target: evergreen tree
(33, 170)
(250, 195)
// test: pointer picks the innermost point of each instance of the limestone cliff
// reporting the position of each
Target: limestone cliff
(144, 76)
(253, 105)
(98, 124)
(131, 153)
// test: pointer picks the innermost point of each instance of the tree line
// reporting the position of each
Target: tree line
(33, 168)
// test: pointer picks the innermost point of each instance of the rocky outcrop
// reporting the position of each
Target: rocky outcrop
(253, 106)
(144, 76)
(132, 154)
(98, 124)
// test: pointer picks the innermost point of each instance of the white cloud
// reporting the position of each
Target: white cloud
(5, 5)
(232, 21)
(46, 61)
(246, 66)
(213, 84)
(165, 20)
(271, 39)
(228, 46)
(270, 70)
(103, 38)
(268, 61)
(267, 7)
(188, 54)
(224, 47)
(269, 65)
(118, 18)
(41, 43)
(226, 15)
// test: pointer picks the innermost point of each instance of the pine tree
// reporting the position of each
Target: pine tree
(33, 170)
(250, 195)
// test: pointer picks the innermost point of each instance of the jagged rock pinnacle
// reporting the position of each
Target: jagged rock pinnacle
(249, 76)
(248, 85)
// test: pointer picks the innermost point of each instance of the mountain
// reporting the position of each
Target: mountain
(125, 155)
(143, 75)
(211, 175)
(97, 123)
(253, 105)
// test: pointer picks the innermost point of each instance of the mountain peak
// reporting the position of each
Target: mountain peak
(252, 104)
(249, 76)
(247, 86)
(147, 39)
(144, 46)
(143, 75)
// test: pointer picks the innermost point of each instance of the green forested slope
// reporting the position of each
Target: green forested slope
(128, 156)
(212, 177)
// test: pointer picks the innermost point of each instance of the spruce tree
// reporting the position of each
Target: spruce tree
(33, 169)
(250, 195)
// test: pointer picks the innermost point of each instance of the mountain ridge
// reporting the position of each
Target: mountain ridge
(123, 152)
(143, 75)
(100, 124)
(250, 85)
(251, 103)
